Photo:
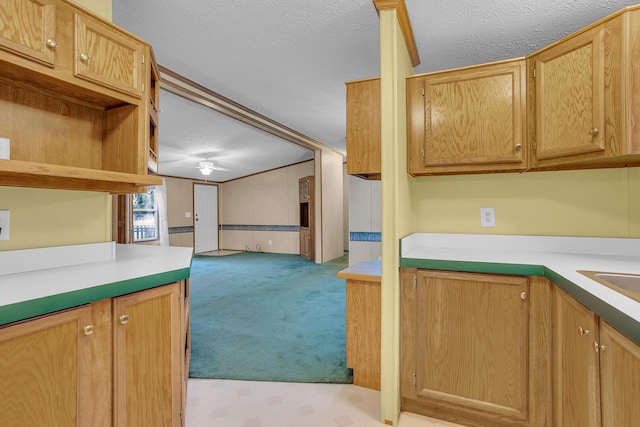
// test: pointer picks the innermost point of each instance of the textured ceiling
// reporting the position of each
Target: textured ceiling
(457, 33)
(288, 60)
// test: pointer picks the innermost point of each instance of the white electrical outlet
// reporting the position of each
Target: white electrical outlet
(187, 214)
(5, 148)
(487, 217)
(4, 224)
(270, 242)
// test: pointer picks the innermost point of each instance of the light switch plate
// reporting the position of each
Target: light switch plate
(5, 148)
(187, 214)
(4, 224)
(487, 217)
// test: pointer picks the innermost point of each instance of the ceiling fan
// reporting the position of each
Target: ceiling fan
(206, 167)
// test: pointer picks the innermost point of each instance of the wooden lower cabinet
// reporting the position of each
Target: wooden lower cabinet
(575, 363)
(305, 243)
(469, 353)
(147, 368)
(116, 362)
(619, 378)
(596, 369)
(363, 332)
(45, 371)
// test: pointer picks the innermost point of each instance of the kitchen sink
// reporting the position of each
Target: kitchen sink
(627, 284)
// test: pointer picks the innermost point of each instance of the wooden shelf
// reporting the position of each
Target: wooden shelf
(80, 96)
(19, 173)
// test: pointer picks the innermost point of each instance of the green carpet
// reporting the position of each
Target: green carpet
(268, 317)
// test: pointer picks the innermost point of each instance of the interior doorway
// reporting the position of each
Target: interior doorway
(205, 221)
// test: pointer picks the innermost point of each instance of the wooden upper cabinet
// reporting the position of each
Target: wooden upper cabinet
(570, 97)
(108, 58)
(468, 120)
(583, 88)
(363, 128)
(28, 29)
(71, 96)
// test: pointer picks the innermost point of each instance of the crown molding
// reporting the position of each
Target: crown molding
(188, 89)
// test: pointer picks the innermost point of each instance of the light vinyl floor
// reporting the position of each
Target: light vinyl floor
(233, 403)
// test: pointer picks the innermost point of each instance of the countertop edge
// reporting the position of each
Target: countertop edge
(621, 321)
(64, 301)
(366, 271)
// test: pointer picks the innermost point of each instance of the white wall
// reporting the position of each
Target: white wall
(332, 243)
(364, 217)
(345, 205)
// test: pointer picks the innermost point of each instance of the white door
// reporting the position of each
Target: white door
(205, 204)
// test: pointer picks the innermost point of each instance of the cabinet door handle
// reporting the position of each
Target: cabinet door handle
(124, 319)
(583, 331)
(518, 147)
(593, 132)
(596, 346)
(52, 43)
(523, 296)
(84, 57)
(88, 330)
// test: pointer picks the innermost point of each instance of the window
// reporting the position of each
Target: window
(145, 216)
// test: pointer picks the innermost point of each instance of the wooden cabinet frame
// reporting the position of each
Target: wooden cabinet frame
(453, 403)
(74, 124)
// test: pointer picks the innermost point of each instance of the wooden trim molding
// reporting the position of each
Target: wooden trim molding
(405, 25)
(188, 89)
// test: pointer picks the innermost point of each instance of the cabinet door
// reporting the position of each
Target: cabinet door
(108, 57)
(45, 371)
(570, 105)
(471, 340)
(574, 363)
(620, 378)
(363, 128)
(147, 352)
(363, 332)
(305, 243)
(28, 29)
(473, 120)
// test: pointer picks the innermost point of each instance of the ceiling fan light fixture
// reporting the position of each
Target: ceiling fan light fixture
(205, 168)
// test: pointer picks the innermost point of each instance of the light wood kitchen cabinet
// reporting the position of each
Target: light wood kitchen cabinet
(29, 29)
(464, 346)
(107, 58)
(363, 331)
(619, 376)
(120, 361)
(596, 369)
(575, 363)
(71, 93)
(363, 128)
(186, 342)
(153, 95)
(468, 120)
(582, 105)
(46, 371)
(148, 357)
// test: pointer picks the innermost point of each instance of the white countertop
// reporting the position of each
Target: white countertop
(72, 269)
(564, 256)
